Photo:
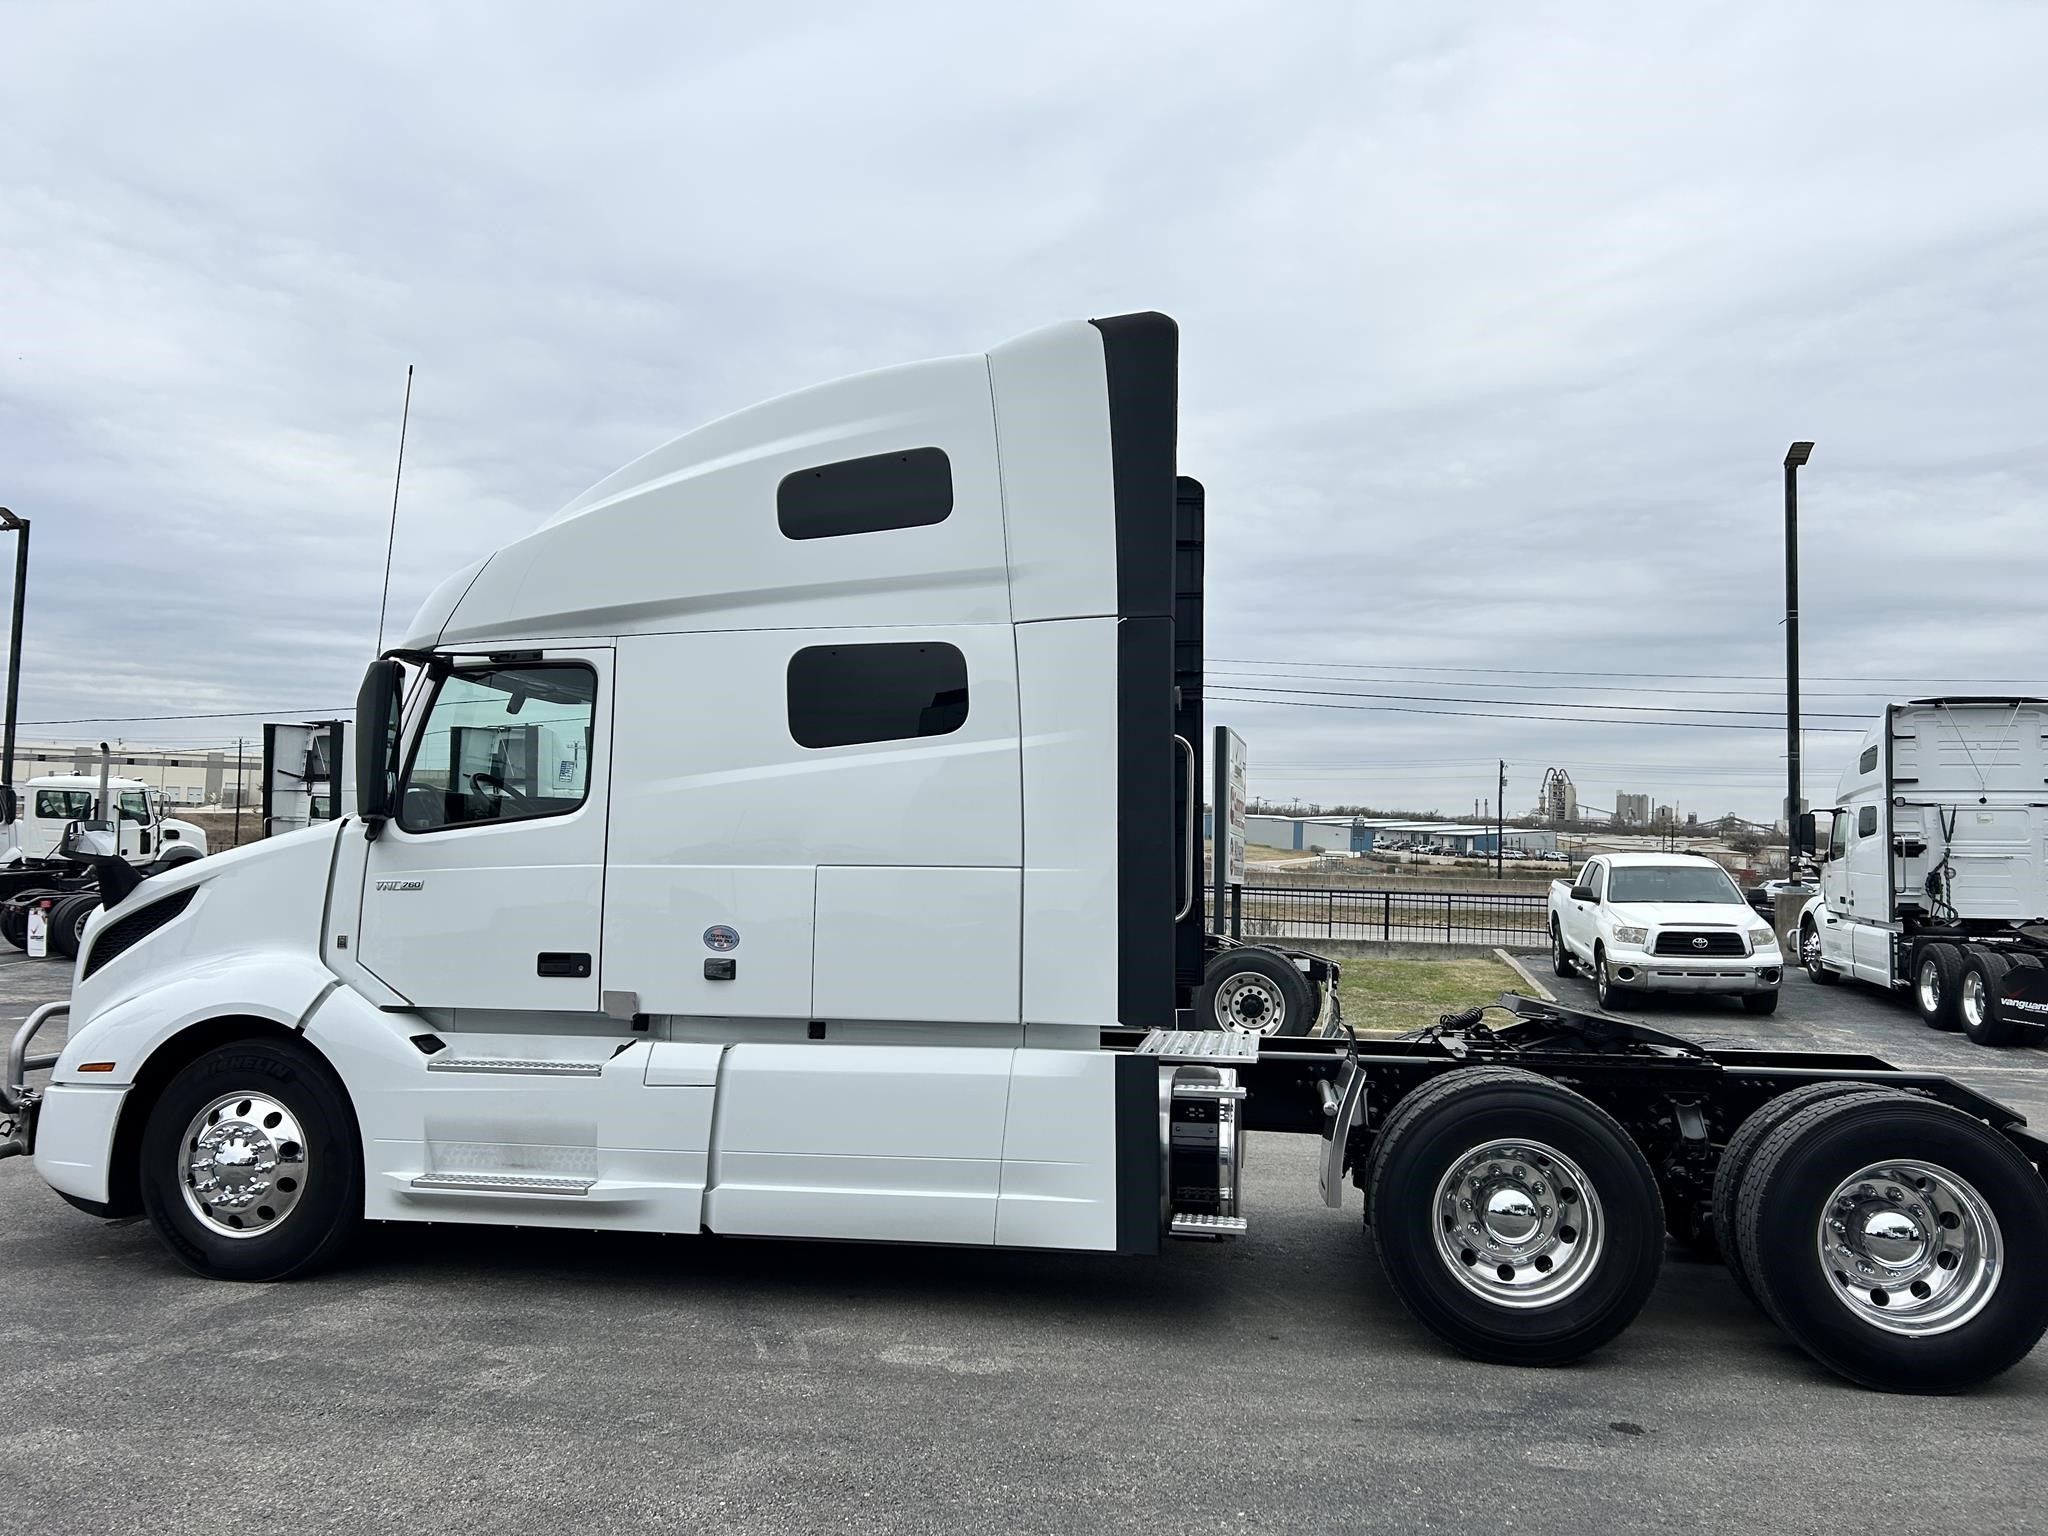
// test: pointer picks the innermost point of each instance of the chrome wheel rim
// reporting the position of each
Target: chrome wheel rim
(242, 1165)
(1601, 985)
(1973, 1001)
(1928, 989)
(1250, 1004)
(1912, 1248)
(1809, 949)
(1517, 1224)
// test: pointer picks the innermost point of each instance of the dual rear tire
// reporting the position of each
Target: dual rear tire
(1513, 1217)
(1893, 1237)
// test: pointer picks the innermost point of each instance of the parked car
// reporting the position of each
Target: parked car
(1662, 923)
(1764, 896)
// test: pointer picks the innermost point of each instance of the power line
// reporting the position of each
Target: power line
(1733, 677)
(1477, 714)
(1430, 698)
(1703, 693)
(232, 714)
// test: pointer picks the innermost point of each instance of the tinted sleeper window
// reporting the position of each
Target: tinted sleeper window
(909, 489)
(841, 695)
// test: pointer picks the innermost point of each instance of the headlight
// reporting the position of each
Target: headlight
(1762, 937)
(1636, 936)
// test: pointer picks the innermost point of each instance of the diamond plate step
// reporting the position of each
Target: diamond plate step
(1209, 1226)
(507, 1183)
(1206, 1045)
(511, 1066)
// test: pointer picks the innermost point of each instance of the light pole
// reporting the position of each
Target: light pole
(1795, 456)
(19, 526)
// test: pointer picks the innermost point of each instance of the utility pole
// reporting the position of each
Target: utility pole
(1795, 456)
(1500, 823)
(19, 526)
(240, 793)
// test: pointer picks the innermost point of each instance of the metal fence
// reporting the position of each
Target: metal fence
(1513, 918)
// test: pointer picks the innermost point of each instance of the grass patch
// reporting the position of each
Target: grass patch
(1390, 996)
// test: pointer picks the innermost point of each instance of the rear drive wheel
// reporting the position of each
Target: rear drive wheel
(1935, 972)
(1978, 1006)
(67, 922)
(1514, 1218)
(1561, 963)
(1899, 1241)
(1740, 1152)
(1256, 992)
(1809, 956)
(1760, 1002)
(251, 1165)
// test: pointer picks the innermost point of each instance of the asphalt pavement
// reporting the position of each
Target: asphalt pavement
(452, 1380)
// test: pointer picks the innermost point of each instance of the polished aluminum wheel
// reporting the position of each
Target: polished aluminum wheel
(243, 1165)
(1250, 1003)
(1927, 987)
(1973, 1000)
(1518, 1224)
(1809, 950)
(1913, 1248)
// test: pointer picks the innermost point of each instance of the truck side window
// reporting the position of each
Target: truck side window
(842, 695)
(1866, 821)
(1838, 841)
(502, 744)
(911, 489)
(64, 804)
(135, 807)
(1596, 877)
(1868, 762)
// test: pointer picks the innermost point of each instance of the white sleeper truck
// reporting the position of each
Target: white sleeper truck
(793, 838)
(1934, 872)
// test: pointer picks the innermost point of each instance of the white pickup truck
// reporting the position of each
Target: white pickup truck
(1662, 922)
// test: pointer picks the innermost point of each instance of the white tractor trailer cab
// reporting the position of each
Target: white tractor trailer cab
(796, 837)
(1934, 869)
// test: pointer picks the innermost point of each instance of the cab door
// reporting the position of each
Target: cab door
(486, 890)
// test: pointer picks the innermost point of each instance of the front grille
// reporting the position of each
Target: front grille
(1686, 941)
(124, 933)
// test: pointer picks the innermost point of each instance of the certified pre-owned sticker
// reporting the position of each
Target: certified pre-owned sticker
(721, 938)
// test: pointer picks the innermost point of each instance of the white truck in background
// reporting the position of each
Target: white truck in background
(1934, 866)
(1662, 922)
(868, 910)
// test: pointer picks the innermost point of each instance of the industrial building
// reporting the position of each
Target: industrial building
(1361, 834)
(1632, 810)
(186, 776)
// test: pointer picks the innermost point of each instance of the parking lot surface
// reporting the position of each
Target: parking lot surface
(452, 1380)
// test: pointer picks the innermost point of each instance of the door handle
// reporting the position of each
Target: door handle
(556, 963)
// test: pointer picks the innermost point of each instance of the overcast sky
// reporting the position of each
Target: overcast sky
(1495, 323)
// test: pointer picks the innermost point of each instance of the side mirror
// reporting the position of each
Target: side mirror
(377, 723)
(1584, 893)
(1803, 839)
(10, 804)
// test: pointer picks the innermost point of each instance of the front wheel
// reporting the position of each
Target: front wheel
(1899, 1241)
(1605, 988)
(251, 1164)
(1513, 1217)
(1809, 956)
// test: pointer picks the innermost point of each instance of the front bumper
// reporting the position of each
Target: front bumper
(1667, 973)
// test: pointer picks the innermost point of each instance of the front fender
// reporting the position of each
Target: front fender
(278, 988)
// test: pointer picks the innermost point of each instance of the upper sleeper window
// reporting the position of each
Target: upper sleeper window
(1868, 762)
(841, 695)
(1866, 821)
(911, 488)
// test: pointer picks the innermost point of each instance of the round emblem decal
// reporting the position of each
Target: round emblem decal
(1696, 943)
(721, 938)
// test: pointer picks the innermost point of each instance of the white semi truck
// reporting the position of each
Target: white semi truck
(1934, 869)
(842, 884)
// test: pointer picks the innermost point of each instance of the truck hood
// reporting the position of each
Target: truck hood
(1683, 914)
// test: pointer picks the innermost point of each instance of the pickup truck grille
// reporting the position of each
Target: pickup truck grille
(1686, 941)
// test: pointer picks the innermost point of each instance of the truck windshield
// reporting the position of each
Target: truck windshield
(1672, 882)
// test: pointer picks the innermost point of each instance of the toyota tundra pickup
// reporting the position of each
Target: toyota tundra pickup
(1662, 922)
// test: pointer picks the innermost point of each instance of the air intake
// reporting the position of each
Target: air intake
(117, 938)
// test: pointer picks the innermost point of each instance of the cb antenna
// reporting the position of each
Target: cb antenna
(391, 539)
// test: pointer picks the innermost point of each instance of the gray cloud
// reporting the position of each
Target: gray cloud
(1495, 326)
